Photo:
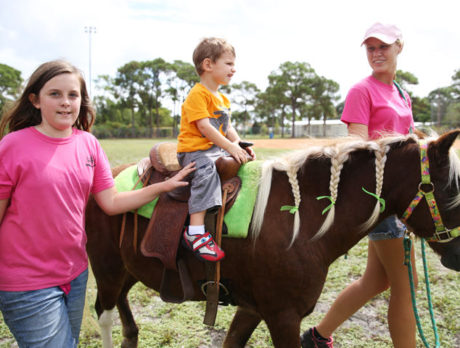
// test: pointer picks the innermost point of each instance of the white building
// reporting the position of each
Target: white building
(315, 129)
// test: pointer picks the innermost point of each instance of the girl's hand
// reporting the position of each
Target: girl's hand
(177, 180)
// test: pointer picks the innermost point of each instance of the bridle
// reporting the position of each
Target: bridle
(442, 234)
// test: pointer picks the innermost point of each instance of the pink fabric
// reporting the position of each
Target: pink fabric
(378, 106)
(48, 182)
(66, 288)
(386, 33)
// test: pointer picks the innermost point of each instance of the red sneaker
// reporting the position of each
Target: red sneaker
(203, 246)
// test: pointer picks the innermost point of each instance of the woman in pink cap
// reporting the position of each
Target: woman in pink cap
(376, 106)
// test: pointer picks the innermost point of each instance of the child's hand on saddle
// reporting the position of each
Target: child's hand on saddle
(238, 153)
(177, 180)
(251, 153)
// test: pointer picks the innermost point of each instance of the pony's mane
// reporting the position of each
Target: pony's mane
(338, 152)
(454, 176)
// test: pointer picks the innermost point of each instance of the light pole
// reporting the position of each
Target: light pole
(90, 30)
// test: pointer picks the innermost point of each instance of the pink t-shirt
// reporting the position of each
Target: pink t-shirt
(48, 182)
(378, 106)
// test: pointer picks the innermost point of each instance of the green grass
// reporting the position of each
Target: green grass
(130, 150)
(168, 325)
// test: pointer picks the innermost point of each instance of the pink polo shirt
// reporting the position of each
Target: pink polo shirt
(378, 106)
(48, 182)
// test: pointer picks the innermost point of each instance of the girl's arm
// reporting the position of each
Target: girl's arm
(3, 205)
(113, 202)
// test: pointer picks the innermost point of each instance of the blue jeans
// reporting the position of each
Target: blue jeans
(46, 318)
(390, 228)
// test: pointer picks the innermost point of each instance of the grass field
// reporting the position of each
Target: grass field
(167, 325)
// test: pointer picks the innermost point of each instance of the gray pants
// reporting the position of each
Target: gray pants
(205, 187)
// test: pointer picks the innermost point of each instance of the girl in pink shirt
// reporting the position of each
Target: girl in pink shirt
(374, 107)
(50, 164)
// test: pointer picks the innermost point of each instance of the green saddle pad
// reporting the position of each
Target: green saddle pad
(125, 182)
(237, 218)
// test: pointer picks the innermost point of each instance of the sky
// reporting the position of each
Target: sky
(327, 34)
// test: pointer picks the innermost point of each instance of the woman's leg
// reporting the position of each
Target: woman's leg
(401, 320)
(355, 295)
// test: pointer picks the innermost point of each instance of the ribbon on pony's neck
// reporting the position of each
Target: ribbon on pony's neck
(329, 206)
(292, 208)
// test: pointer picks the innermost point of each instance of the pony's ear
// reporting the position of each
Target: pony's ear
(443, 144)
(445, 141)
(420, 134)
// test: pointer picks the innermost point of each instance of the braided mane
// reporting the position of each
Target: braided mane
(338, 153)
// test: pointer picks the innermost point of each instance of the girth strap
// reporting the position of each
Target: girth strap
(212, 293)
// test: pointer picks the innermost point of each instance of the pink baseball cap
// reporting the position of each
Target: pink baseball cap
(384, 32)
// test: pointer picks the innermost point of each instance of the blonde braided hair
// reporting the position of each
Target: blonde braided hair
(380, 160)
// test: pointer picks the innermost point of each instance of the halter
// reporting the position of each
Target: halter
(442, 234)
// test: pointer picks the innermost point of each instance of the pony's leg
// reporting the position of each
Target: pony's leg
(130, 329)
(243, 325)
(109, 295)
(105, 323)
(284, 329)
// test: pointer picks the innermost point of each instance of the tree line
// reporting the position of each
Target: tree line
(144, 98)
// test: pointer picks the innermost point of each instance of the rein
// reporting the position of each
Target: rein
(442, 234)
(407, 251)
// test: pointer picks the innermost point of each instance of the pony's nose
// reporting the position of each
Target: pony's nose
(451, 261)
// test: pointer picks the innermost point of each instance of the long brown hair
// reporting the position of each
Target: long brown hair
(23, 114)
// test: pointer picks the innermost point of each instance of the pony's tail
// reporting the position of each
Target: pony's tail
(262, 198)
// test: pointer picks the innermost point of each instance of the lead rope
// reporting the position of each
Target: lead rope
(407, 252)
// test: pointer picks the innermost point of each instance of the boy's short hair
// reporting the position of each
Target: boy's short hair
(211, 48)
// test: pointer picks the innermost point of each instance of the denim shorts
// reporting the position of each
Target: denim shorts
(45, 318)
(390, 228)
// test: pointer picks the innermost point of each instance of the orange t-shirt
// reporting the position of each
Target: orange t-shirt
(201, 103)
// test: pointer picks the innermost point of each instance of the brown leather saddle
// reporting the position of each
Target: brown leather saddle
(162, 238)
